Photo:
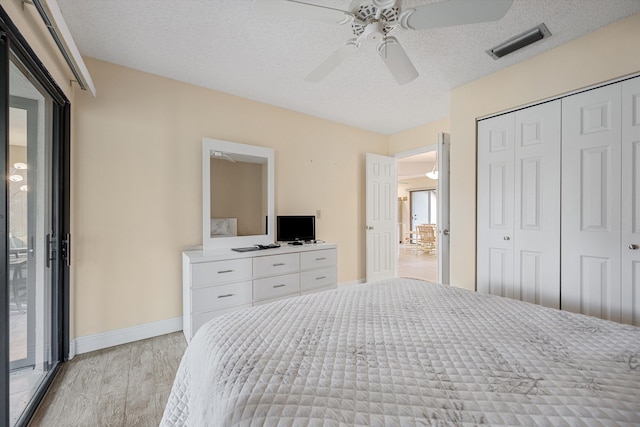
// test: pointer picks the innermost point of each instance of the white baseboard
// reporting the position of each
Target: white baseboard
(351, 283)
(123, 336)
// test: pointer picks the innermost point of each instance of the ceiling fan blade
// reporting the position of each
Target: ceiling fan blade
(396, 59)
(309, 12)
(335, 59)
(454, 12)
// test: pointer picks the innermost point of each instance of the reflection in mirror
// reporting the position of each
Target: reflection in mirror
(237, 183)
(238, 195)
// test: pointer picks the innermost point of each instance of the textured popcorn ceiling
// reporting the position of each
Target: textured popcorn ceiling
(224, 45)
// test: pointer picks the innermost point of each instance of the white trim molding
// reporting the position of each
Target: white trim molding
(123, 336)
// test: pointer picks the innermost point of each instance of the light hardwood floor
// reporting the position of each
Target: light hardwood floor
(126, 385)
(418, 265)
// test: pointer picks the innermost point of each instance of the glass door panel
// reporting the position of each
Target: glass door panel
(30, 222)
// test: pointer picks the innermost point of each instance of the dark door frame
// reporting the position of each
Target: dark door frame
(13, 44)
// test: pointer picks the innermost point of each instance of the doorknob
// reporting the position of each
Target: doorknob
(633, 247)
(507, 238)
(369, 227)
(445, 232)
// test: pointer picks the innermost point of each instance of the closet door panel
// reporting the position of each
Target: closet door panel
(537, 204)
(495, 205)
(591, 200)
(630, 292)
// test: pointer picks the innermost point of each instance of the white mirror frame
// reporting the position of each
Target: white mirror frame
(208, 242)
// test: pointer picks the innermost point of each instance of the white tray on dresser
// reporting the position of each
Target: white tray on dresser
(220, 281)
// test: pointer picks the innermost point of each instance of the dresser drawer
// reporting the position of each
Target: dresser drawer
(202, 318)
(275, 264)
(222, 296)
(215, 272)
(318, 278)
(317, 259)
(273, 287)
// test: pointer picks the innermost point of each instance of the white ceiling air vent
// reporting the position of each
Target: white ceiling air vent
(518, 42)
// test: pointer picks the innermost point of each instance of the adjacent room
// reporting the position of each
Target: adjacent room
(328, 212)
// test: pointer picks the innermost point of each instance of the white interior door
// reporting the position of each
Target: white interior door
(630, 292)
(420, 204)
(381, 238)
(495, 206)
(591, 200)
(443, 207)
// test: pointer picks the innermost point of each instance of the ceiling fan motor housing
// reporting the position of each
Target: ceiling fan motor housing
(374, 32)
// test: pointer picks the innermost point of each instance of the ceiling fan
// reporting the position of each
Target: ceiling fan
(372, 21)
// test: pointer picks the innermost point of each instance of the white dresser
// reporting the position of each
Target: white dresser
(220, 281)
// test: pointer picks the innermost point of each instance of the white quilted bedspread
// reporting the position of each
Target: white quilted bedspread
(407, 353)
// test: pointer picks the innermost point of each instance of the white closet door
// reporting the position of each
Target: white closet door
(537, 204)
(630, 292)
(591, 185)
(495, 206)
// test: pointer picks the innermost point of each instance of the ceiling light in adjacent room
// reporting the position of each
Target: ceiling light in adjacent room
(20, 165)
(434, 171)
(16, 178)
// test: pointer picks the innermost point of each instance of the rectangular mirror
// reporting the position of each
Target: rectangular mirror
(237, 183)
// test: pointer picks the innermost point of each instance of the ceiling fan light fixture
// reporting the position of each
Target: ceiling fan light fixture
(521, 40)
(374, 32)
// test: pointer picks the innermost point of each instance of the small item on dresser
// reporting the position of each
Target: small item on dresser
(246, 249)
(296, 243)
(269, 246)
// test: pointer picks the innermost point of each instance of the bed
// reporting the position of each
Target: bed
(407, 352)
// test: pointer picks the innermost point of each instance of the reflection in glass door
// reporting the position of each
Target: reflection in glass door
(30, 225)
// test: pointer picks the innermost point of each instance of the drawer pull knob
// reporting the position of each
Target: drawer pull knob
(320, 259)
(225, 271)
(279, 286)
(278, 264)
(225, 296)
(321, 277)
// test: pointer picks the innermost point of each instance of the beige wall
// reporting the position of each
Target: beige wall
(608, 53)
(138, 187)
(417, 137)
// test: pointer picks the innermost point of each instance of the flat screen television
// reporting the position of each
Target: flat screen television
(292, 228)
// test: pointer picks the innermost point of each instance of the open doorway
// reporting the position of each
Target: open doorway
(417, 214)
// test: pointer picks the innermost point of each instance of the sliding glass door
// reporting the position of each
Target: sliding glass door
(34, 124)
